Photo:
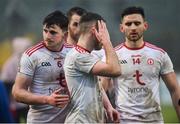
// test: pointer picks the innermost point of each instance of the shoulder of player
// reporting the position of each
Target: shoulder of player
(34, 48)
(66, 48)
(118, 47)
(154, 47)
(66, 45)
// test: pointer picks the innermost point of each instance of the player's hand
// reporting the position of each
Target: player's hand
(57, 99)
(102, 33)
(113, 115)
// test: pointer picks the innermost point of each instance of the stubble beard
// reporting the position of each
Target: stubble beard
(75, 37)
(134, 39)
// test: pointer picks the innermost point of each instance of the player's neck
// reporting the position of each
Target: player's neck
(71, 41)
(85, 42)
(134, 44)
(54, 48)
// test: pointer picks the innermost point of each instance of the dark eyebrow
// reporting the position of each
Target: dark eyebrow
(135, 22)
(50, 31)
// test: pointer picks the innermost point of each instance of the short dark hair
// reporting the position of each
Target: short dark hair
(75, 10)
(89, 16)
(88, 19)
(56, 18)
(133, 10)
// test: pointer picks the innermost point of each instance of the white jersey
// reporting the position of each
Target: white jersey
(45, 67)
(137, 89)
(86, 99)
(98, 53)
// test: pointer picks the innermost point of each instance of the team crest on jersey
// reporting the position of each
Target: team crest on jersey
(150, 61)
(45, 64)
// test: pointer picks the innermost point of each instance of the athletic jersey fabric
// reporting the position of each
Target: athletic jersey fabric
(45, 67)
(98, 53)
(86, 99)
(137, 89)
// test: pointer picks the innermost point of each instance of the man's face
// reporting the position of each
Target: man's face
(73, 28)
(53, 36)
(133, 26)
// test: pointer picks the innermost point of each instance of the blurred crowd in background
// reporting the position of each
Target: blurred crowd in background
(21, 22)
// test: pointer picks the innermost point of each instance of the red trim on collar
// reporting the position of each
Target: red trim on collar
(81, 49)
(134, 48)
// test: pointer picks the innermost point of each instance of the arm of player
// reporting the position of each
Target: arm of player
(21, 94)
(174, 89)
(106, 82)
(112, 66)
(112, 113)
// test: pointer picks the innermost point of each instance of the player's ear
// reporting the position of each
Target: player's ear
(93, 29)
(65, 34)
(121, 28)
(146, 25)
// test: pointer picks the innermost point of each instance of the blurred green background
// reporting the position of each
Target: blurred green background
(169, 114)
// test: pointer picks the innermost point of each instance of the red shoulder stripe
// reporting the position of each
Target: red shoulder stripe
(119, 46)
(154, 47)
(34, 48)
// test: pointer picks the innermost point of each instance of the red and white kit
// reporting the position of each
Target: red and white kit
(45, 67)
(137, 89)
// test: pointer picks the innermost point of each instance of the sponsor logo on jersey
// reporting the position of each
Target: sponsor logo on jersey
(137, 76)
(138, 90)
(62, 90)
(45, 64)
(58, 58)
(122, 61)
(139, 94)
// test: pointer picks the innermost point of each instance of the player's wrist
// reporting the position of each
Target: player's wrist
(45, 100)
(108, 106)
(107, 44)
